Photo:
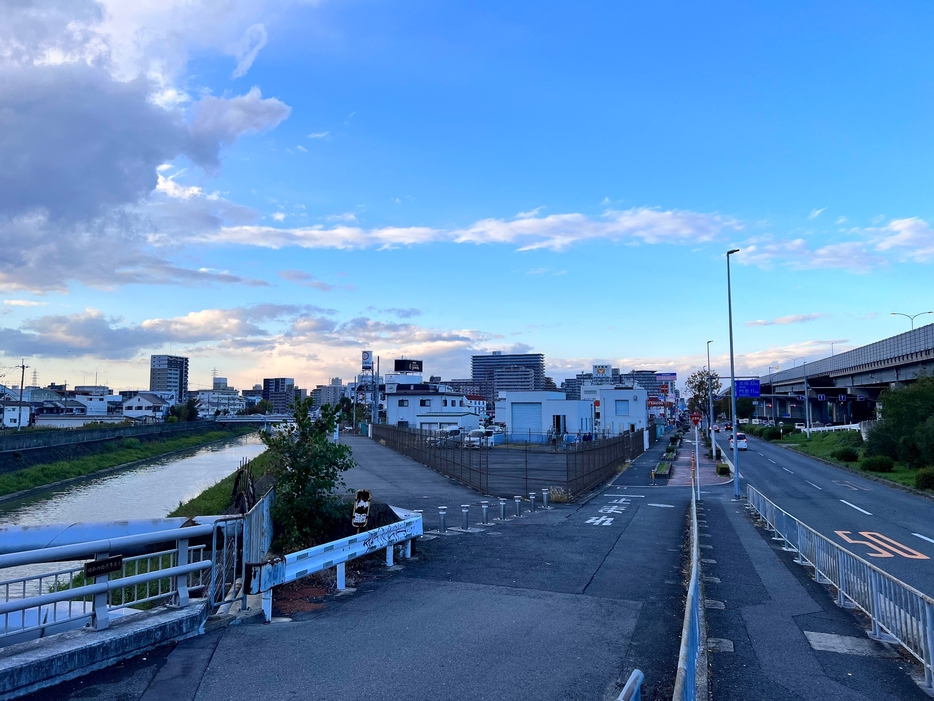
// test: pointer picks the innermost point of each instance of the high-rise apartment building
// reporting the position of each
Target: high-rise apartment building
(280, 392)
(169, 373)
(503, 372)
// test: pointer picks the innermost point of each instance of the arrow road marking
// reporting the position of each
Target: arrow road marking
(856, 507)
(816, 487)
(923, 537)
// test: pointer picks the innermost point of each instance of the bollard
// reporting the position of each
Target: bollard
(465, 509)
(518, 501)
(532, 500)
(485, 505)
(442, 516)
(544, 498)
(502, 508)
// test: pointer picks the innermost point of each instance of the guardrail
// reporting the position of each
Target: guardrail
(898, 612)
(37, 605)
(825, 429)
(632, 691)
(261, 577)
(686, 677)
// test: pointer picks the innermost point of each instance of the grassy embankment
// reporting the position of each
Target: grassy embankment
(216, 499)
(822, 445)
(115, 454)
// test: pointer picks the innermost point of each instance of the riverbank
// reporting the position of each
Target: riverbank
(216, 498)
(128, 454)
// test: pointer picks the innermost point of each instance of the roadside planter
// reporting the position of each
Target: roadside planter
(663, 470)
(263, 576)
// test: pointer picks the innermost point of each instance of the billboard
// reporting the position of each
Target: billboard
(367, 360)
(601, 370)
(408, 365)
(747, 388)
(671, 377)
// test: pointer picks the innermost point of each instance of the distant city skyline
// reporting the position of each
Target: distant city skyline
(270, 188)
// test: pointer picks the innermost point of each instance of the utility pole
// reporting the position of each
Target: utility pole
(22, 381)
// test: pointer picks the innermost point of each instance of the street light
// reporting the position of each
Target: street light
(772, 390)
(729, 301)
(710, 397)
(911, 317)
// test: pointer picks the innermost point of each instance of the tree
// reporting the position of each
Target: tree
(905, 432)
(698, 393)
(187, 411)
(263, 406)
(346, 409)
(308, 469)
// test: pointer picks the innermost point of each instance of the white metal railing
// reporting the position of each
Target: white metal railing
(898, 612)
(261, 577)
(686, 677)
(37, 605)
(825, 429)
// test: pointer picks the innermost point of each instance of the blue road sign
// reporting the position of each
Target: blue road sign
(747, 388)
(841, 397)
(860, 398)
(821, 397)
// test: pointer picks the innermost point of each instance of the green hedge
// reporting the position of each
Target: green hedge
(846, 454)
(878, 463)
(924, 479)
(723, 469)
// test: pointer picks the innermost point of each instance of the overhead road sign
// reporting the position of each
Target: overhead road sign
(747, 388)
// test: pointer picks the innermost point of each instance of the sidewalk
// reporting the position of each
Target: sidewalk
(773, 632)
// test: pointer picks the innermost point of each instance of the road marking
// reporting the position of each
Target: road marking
(856, 507)
(850, 485)
(663, 506)
(816, 487)
(923, 537)
(611, 509)
(787, 470)
(772, 461)
(883, 545)
(600, 521)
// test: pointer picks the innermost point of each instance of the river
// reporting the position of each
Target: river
(150, 490)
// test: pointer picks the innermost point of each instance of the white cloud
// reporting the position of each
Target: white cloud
(799, 255)
(815, 213)
(840, 221)
(24, 303)
(346, 216)
(554, 232)
(302, 148)
(318, 134)
(783, 320)
(279, 216)
(249, 46)
(910, 239)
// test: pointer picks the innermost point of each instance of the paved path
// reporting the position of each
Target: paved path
(560, 604)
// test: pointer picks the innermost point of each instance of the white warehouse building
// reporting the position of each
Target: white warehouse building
(428, 406)
(535, 416)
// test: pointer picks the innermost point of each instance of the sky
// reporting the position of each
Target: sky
(270, 187)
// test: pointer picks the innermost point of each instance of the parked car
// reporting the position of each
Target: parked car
(741, 442)
(479, 438)
(800, 426)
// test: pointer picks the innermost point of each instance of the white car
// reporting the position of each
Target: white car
(479, 438)
(741, 443)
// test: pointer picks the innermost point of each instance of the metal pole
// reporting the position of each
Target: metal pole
(22, 381)
(465, 509)
(485, 505)
(729, 297)
(518, 501)
(710, 396)
(502, 508)
(442, 517)
(532, 500)
(807, 401)
(697, 459)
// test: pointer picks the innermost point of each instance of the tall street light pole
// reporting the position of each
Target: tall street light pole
(772, 390)
(794, 363)
(710, 398)
(729, 301)
(911, 317)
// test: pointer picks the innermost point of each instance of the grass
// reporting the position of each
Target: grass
(663, 469)
(823, 444)
(48, 473)
(216, 499)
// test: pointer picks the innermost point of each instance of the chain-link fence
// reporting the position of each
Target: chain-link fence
(515, 468)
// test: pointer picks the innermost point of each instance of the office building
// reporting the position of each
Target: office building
(501, 372)
(280, 392)
(169, 373)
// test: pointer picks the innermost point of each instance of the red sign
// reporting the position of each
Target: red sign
(695, 418)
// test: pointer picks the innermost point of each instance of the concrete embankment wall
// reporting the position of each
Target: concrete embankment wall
(33, 448)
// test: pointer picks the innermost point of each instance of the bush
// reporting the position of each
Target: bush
(924, 478)
(882, 441)
(850, 439)
(845, 454)
(130, 443)
(172, 420)
(723, 469)
(878, 463)
(663, 469)
(771, 433)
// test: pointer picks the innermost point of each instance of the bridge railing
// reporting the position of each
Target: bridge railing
(45, 602)
(898, 612)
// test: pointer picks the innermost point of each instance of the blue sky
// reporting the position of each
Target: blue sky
(272, 187)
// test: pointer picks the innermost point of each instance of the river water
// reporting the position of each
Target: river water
(150, 490)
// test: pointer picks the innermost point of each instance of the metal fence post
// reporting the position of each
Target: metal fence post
(181, 580)
(100, 618)
(929, 658)
(389, 561)
(341, 576)
(874, 598)
(442, 517)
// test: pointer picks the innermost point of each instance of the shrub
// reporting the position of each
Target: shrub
(723, 469)
(110, 446)
(771, 433)
(845, 454)
(663, 469)
(878, 463)
(172, 420)
(850, 439)
(559, 495)
(924, 478)
(882, 441)
(130, 443)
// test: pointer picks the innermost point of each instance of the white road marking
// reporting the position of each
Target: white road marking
(760, 454)
(600, 521)
(663, 506)
(923, 537)
(787, 470)
(772, 461)
(856, 507)
(816, 487)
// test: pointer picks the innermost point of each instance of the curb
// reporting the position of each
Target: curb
(105, 471)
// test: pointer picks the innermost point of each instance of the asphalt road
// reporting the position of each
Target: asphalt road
(892, 529)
